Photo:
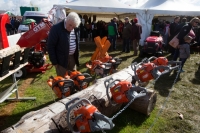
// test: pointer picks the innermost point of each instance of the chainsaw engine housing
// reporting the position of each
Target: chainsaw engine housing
(119, 91)
(144, 72)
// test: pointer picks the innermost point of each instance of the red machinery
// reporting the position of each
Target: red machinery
(4, 18)
(34, 40)
(29, 40)
(153, 44)
(101, 63)
(152, 68)
(62, 87)
(81, 80)
(123, 91)
(86, 116)
(72, 82)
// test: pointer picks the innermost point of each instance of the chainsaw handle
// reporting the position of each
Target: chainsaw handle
(108, 86)
(142, 92)
(153, 57)
(134, 70)
(69, 109)
(70, 102)
(99, 116)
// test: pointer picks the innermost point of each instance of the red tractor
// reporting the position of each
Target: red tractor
(153, 45)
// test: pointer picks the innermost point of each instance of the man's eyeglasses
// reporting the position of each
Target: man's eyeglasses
(197, 22)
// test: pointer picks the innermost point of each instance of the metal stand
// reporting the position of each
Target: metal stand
(13, 88)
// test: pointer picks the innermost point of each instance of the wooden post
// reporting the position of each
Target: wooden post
(52, 118)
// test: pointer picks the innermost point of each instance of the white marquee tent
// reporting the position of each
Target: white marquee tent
(144, 11)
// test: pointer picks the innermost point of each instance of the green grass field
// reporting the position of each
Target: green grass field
(184, 97)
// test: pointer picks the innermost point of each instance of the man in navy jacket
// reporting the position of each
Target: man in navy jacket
(63, 44)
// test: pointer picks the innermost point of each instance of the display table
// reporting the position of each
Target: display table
(13, 88)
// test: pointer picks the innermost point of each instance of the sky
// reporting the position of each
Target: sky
(46, 5)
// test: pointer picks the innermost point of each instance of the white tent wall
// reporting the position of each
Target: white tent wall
(145, 20)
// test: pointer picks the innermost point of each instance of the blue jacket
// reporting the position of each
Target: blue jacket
(58, 45)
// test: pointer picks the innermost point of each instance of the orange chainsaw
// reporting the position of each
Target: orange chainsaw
(99, 68)
(81, 80)
(123, 91)
(148, 70)
(62, 87)
(84, 116)
(114, 61)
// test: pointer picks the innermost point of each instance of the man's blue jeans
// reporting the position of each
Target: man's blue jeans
(112, 40)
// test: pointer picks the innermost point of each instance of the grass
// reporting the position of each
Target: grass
(183, 98)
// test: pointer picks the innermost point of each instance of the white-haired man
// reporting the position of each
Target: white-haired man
(63, 45)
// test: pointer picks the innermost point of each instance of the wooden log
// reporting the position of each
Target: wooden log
(53, 117)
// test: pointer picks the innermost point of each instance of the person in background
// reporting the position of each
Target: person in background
(113, 33)
(136, 35)
(126, 35)
(173, 32)
(185, 30)
(63, 45)
(166, 30)
(94, 29)
(183, 22)
(184, 50)
(120, 29)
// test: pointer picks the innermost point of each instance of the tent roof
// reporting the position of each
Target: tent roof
(171, 7)
(100, 7)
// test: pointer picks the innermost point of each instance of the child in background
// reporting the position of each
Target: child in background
(184, 50)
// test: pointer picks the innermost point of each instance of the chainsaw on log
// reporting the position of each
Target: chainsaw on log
(81, 80)
(85, 117)
(62, 87)
(104, 66)
(123, 91)
(150, 69)
(99, 68)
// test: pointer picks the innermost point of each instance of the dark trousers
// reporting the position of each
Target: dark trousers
(61, 71)
(112, 40)
(183, 60)
(176, 54)
(126, 45)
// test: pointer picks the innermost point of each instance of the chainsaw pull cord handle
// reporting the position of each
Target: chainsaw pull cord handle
(69, 109)
(108, 86)
(99, 116)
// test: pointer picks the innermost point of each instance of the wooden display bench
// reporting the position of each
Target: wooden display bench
(13, 88)
(12, 60)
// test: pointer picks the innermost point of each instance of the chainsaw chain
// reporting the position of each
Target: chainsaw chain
(122, 109)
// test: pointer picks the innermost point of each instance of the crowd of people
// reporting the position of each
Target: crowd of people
(128, 31)
(184, 31)
(12, 27)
